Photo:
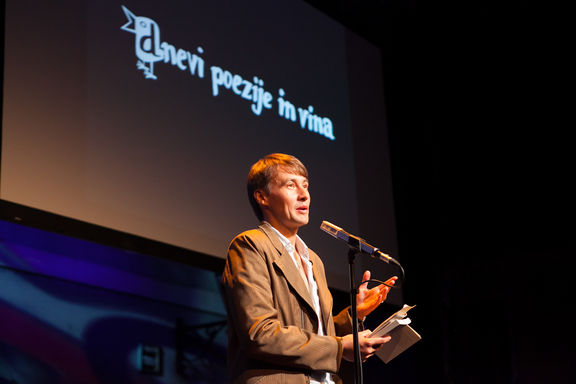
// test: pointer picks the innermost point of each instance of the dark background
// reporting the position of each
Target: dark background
(482, 165)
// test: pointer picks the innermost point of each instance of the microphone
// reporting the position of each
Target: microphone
(356, 242)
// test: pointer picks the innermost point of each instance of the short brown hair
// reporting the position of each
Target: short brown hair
(265, 169)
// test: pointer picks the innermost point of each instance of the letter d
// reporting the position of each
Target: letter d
(147, 40)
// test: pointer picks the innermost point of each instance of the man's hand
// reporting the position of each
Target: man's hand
(368, 346)
(369, 299)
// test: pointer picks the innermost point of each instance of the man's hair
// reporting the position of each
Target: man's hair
(264, 170)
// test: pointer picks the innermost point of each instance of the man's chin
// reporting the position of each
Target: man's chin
(304, 221)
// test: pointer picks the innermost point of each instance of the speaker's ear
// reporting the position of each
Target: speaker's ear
(261, 197)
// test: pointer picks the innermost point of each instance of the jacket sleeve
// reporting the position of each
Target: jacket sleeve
(343, 323)
(260, 325)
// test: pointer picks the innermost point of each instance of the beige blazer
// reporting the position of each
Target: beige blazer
(272, 326)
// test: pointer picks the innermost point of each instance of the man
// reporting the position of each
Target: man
(281, 329)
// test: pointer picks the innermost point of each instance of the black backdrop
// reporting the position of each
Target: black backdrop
(482, 166)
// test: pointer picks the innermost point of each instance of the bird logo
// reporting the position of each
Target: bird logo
(147, 41)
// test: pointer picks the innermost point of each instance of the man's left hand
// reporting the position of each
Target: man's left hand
(369, 299)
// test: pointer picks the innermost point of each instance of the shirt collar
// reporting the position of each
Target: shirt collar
(300, 244)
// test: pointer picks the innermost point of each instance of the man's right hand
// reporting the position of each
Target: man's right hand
(367, 345)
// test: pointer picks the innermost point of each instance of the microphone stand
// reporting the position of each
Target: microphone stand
(353, 293)
(355, 248)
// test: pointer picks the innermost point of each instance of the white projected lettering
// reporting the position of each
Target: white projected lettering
(243, 88)
(149, 50)
(306, 118)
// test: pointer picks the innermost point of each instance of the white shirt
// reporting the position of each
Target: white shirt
(317, 377)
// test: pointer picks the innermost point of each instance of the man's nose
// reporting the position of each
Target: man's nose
(303, 194)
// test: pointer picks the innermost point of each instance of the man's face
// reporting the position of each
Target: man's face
(287, 202)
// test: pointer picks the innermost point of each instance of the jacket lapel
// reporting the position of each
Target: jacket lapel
(286, 264)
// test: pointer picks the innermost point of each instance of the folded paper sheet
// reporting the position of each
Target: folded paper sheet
(403, 336)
